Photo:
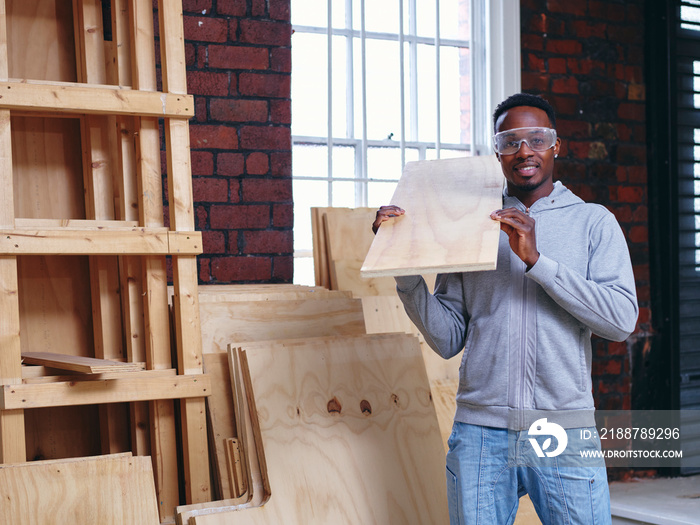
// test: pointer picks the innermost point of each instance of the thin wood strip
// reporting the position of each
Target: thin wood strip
(320, 250)
(150, 209)
(85, 365)
(130, 389)
(172, 46)
(93, 99)
(12, 438)
(137, 241)
(59, 376)
(77, 224)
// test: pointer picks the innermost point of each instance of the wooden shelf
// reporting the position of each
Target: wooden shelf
(136, 386)
(65, 97)
(129, 241)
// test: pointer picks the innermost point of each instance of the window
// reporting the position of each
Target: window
(376, 84)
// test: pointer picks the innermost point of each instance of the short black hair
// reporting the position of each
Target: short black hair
(524, 99)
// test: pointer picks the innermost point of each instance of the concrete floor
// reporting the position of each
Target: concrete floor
(663, 501)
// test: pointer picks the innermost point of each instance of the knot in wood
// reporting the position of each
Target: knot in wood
(334, 406)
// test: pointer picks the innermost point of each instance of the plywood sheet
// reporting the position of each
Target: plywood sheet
(446, 227)
(105, 489)
(349, 432)
(236, 322)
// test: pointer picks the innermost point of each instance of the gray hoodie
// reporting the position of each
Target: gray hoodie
(527, 335)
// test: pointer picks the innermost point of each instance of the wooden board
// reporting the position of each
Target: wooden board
(85, 365)
(446, 227)
(245, 292)
(83, 491)
(349, 432)
(236, 322)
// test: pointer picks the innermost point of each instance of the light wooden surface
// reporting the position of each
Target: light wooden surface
(349, 433)
(21, 94)
(241, 321)
(86, 365)
(116, 489)
(136, 387)
(446, 227)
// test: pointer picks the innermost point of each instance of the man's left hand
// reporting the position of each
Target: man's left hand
(520, 229)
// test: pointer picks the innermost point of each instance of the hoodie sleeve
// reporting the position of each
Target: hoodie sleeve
(441, 316)
(605, 300)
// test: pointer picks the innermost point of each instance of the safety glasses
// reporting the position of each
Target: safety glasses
(537, 139)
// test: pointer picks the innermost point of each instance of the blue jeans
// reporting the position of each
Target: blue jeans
(489, 469)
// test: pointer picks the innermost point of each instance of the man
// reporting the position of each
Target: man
(563, 273)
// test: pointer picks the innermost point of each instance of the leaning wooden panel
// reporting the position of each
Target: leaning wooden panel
(114, 489)
(349, 432)
(446, 227)
(236, 322)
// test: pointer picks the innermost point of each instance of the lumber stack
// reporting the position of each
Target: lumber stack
(312, 420)
(83, 283)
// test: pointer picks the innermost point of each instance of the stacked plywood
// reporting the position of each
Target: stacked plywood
(84, 244)
(311, 419)
(342, 238)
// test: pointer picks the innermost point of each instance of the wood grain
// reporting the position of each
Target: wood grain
(241, 321)
(103, 489)
(349, 433)
(85, 365)
(446, 227)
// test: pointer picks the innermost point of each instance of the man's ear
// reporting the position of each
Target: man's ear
(557, 145)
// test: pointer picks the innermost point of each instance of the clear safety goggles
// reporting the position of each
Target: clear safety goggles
(537, 139)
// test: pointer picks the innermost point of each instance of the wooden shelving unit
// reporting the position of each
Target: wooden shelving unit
(83, 241)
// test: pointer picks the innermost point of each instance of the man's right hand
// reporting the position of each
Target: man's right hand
(384, 214)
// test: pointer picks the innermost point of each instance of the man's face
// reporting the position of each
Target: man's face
(527, 170)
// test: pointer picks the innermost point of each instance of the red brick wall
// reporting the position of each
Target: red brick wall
(238, 69)
(586, 58)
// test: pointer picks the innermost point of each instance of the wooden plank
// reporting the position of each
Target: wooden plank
(103, 489)
(134, 241)
(446, 227)
(85, 365)
(237, 293)
(349, 433)
(67, 97)
(237, 322)
(348, 236)
(73, 224)
(320, 250)
(137, 388)
(58, 376)
(12, 439)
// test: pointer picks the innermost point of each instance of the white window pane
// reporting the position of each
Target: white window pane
(304, 271)
(690, 14)
(380, 193)
(454, 19)
(454, 96)
(453, 153)
(412, 154)
(340, 91)
(307, 194)
(425, 18)
(696, 67)
(344, 162)
(338, 14)
(309, 85)
(380, 16)
(344, 195)
(383, 100)
(310, 13)
(384, 163)
(309, 160)
(427, 105)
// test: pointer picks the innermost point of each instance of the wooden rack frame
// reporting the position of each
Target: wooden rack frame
(118, 106)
